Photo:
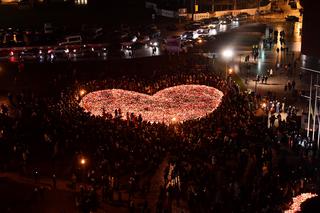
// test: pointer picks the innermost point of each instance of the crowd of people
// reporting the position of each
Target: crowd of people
(227, 161)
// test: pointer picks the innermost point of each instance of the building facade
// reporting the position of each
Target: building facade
(207, 5)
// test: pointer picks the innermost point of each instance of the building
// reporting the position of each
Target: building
(310, 48)
(207, 5)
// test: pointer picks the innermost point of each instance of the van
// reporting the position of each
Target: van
(77, 39)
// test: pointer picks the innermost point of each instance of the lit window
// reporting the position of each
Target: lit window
(81, 2)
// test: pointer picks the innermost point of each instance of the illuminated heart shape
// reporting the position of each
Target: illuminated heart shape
(170, 105)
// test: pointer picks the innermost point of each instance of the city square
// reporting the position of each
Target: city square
(159, 106)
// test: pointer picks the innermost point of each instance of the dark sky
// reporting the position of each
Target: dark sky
(311, 28)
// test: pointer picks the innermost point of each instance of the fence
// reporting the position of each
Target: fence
(251, 11)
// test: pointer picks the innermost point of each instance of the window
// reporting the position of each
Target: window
(81, 2)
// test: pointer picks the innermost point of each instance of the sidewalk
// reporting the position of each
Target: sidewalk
(268, 59)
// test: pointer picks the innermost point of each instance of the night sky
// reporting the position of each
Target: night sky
(311, 29)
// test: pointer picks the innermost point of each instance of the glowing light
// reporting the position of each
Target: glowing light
(227, 53)
(179, 103)
(83, 161)
(298, 200)
(82, 92)
(230, 71)
(174, 120)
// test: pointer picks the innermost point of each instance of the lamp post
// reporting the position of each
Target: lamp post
(82, 92)
(227, 54)
(212, 6)
(83, 163)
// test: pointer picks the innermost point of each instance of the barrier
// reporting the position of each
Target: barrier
(251, 11)
(168, 13)
(200, 16)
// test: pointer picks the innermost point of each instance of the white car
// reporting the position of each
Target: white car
(204, 31)
(128, 42)
(154, 43)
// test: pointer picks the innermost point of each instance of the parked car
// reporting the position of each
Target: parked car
(241, 17)
(189, 35)
(154, 43)
(225, 21)
(201, 40)
(101, 52)
(5, 53)
(127, 42)
(214, 20)
(59, 53)
(188, 43)
(29, 54)
(204, 31)
(86, 52)
(193, 26)
(206, 21)
(144, 39)
(228, 16)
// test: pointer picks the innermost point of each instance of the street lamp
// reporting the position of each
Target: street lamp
(82, 92)
(83, 161)
(227, 54)
(230, 71)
